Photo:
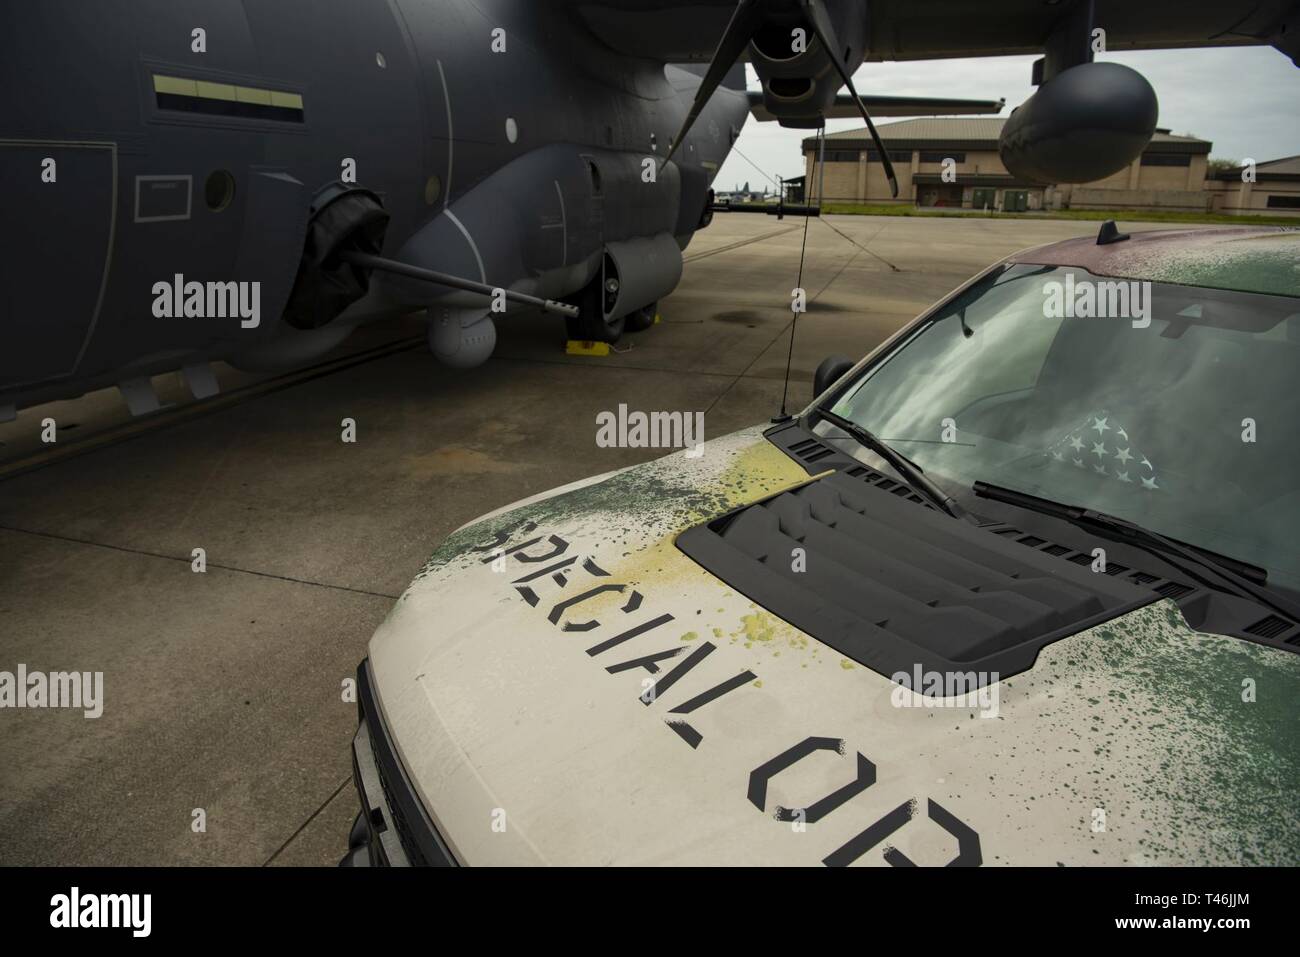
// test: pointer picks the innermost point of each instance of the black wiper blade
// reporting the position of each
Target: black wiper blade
(909, 470)
(1190, 560)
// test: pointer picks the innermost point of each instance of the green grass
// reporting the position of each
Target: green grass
(1129, 215)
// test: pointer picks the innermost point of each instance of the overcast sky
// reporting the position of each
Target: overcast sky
(1246, 101)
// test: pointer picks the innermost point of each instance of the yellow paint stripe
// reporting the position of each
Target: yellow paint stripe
(174, 84)
(216, 91)
(248, 94)
(208, 90)
(291, 100)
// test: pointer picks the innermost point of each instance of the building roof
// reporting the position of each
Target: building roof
(1246, 258)
(972, 133)
(977, 179)
(1289, 164)
(1286, 168)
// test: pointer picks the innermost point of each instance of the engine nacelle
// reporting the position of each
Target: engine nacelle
(1084, 124)
(799, 80)
(639, 272)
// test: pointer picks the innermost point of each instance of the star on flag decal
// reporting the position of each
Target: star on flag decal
(1101, 444)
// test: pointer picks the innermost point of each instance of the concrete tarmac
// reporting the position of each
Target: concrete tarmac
(223, 690)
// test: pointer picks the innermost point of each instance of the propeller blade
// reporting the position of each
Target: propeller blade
(825, 30)
(744, 21)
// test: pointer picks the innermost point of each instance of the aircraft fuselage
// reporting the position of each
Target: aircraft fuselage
(152, 139)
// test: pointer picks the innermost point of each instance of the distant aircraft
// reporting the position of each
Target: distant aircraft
(249, 180)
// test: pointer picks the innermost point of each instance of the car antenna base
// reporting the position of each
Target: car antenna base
(1110, 234)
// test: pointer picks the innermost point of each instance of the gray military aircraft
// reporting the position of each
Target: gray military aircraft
(248, 180)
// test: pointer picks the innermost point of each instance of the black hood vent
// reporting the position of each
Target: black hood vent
(815, 456)
(1272, 627)
(1204, 609)
(895, 587)
(1225, 615)
(810, 451)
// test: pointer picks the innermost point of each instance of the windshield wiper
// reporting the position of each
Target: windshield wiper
(1190, 560)
(909, 470)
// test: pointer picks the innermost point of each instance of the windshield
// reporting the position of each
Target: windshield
(1172, 406)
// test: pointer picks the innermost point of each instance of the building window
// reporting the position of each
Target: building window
(841, 156)
(1166, 159)
(930, 156)
(896, 156)
(1284, 202)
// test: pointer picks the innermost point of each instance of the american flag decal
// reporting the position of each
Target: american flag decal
(1101, 445)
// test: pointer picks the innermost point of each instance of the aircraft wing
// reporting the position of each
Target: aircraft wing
(931, 29)
(686, 30)
(674, 31)
(846, 108)
(1088, 120)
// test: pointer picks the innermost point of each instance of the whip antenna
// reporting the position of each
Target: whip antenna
(803, 252)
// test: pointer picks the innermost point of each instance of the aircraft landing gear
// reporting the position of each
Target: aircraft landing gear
(591, 325)
(642, 319)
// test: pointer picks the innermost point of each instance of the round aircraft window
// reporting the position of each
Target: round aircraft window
(219, 190)
(379, 59)
(512, 129)
(432, 190)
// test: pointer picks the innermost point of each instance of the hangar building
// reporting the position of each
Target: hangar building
(1275, 190)
(1170, 174)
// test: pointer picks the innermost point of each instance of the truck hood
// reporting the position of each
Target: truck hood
(565, 686)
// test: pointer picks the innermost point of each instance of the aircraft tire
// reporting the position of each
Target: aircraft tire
(591, 326)
(585, 329)
(642, 319)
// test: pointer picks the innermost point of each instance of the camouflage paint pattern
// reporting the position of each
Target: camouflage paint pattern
(1132, 742)
(1246, 258)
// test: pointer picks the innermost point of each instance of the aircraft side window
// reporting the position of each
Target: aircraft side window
(219, 190)
(597, 186)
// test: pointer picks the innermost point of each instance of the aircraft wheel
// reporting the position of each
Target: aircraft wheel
(591, 325)
(642, 319)
(585, 329)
